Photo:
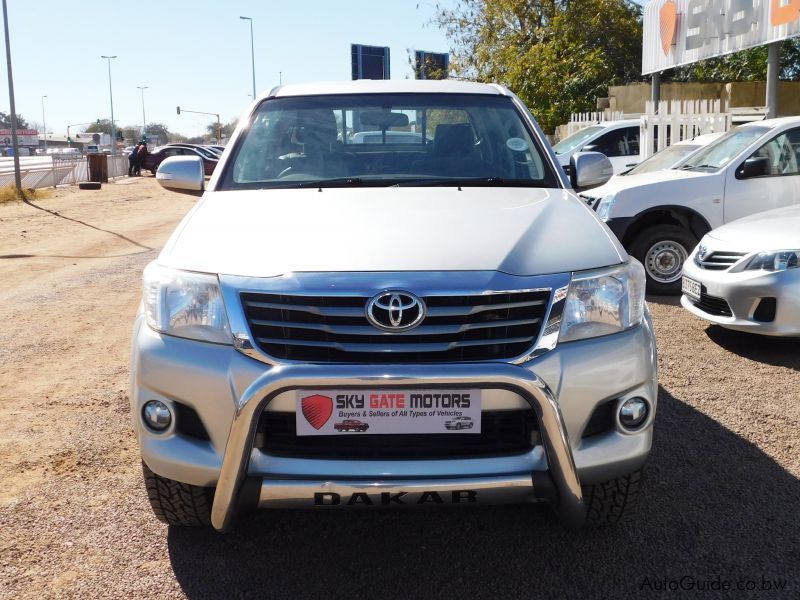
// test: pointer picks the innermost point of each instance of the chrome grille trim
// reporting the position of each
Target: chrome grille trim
(302, 290)
(719, 260)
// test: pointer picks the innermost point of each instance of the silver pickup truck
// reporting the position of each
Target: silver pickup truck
(400, 285)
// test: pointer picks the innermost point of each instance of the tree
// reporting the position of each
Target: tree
(5, 121)
(557, 55)
(227, 130)
(100, 126)
(746, 65)
(160, 131)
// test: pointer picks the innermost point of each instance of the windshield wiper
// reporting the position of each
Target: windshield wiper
(471, 182)
(334, 182)
(693, 167)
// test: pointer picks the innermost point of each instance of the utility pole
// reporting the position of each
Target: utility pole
(111, 97)
(17, 176)
(44, 125)
(144, 120)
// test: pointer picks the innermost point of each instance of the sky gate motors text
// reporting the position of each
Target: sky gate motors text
(403, 400)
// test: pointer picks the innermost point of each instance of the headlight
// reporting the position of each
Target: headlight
(605, 206)
(603, 302)
(185, 304)
(774, 261)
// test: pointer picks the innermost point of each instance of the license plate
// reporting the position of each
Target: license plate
(691, 288)
(384, 411)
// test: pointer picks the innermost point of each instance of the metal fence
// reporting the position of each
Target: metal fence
(50, 172)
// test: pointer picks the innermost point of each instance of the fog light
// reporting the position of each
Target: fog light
(156, 415)
(633, 413)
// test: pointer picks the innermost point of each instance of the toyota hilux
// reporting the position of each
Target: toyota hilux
(400, 284)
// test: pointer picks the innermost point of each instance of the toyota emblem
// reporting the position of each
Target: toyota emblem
(395, 311)
(701, 252)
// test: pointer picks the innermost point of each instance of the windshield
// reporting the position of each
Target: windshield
(387, 139)
(718, 154)
(668, 157)
(571, 142)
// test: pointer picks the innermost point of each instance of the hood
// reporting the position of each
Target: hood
(265, 233)
(620, 183)
(777, 229)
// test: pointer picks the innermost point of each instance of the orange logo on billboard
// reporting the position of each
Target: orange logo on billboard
(786, 13)
(668, 20)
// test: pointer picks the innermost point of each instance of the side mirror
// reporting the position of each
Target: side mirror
(182, 174)
(589, 169)
(755, 166)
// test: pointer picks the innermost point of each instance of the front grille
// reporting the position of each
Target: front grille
(461, 328)
(712, 305)
(502, 433)
(719, 261)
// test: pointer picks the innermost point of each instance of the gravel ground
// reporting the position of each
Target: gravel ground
(719, 504)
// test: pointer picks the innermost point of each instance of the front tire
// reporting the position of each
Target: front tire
(176, 503)
(663, 250)
(608, 502)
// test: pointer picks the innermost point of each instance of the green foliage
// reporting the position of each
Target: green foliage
(747, 65)
(101, 126)
(159, 130)
(227, 130)
(5, 121)
(557, 55)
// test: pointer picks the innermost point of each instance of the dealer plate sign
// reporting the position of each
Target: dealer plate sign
(382, 411)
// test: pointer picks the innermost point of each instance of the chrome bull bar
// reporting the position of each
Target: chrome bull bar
(279, 379)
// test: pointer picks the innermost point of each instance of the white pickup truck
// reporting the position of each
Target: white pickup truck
(660, 217)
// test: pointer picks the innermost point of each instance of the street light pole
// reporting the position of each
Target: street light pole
(144, 120)
(17, 175)
(111, 98)
(252, 54)
(44, 125)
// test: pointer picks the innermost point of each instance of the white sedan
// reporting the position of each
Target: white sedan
(746, 275)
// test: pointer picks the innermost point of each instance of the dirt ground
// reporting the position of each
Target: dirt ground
(721, 497)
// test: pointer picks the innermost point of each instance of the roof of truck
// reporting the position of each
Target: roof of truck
(399, 86)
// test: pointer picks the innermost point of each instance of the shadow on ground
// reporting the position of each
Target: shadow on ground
(713, 506)
(665, 300)
(781, 352)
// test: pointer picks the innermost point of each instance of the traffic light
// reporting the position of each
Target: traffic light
(179, 110)
(69, 140)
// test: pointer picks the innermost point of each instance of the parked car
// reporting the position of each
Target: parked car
(746, 275)
(208, 153)
(671, 155)
(460, 423)
(419, 278)
(618, 140)
(660, 216)
(351, 425)
(152, 160)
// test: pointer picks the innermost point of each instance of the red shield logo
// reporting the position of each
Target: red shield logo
(317, 409)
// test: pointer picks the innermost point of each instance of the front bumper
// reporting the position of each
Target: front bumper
(229, 390)
(743, 291)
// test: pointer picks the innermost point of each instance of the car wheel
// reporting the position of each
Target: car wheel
(663, 250)
(610, 501)
(176, 503)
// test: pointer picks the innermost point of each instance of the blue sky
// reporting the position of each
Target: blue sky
(192, 53)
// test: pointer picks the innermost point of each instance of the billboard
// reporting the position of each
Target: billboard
(680, 32)
(431, 65)
(25, 137)
(369, 62)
